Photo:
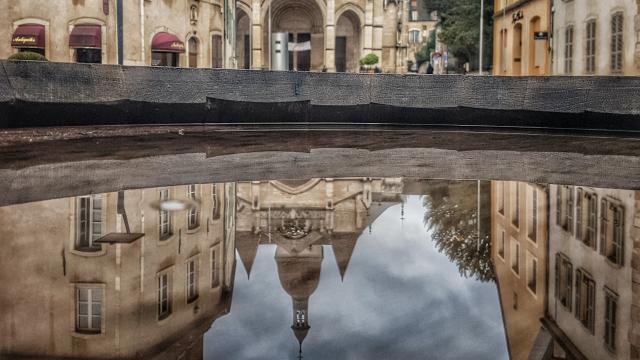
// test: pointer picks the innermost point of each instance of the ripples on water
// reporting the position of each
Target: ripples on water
(366, 268)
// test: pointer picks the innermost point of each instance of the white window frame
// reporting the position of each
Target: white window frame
(90, 288)
(617, 43)
(164, 281)
(192, 267)
(92, 213)
(164, 217)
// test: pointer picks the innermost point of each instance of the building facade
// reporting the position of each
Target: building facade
(152, 296)
(185, 33)
(329, 35)
(596, 38)
(521, 37)
(519, 254)
(590, 272)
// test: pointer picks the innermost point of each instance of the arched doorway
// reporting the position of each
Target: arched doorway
(304, 21)
(243, 39)
(517, 50)
(193, 52)
(348, 40)
(537, 49)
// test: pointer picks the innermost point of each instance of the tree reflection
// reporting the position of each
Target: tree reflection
(452, 210)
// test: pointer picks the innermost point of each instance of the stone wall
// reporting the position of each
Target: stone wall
(45, 94)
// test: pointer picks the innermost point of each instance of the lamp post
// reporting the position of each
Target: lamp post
(481, 35)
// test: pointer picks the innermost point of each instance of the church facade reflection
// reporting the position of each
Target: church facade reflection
(299, 218)
(151, 292)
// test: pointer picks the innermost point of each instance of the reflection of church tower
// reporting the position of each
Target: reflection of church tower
(299, 275)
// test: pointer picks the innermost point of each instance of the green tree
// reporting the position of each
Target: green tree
(460, 27)
(452, 216)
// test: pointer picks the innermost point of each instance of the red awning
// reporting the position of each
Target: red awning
(165, 42)
(86, 36)
(28, 36)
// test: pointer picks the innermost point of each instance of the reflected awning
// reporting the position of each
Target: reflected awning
(86, 36)
(165, 42)
(28, 36)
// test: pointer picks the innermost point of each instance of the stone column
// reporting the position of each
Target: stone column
(368, 28)
(378, 21)
(256, 34)
(330, 37)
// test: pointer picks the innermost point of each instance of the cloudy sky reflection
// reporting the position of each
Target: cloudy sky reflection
(400, 299)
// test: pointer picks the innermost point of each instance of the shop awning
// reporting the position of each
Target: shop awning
(86, 36)
(165, 42)
(28, 36)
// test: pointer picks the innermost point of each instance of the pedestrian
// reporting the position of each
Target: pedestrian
(429, 69)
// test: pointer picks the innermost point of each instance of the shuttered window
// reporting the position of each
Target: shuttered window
(617, 42)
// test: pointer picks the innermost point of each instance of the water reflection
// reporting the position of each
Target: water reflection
(329, 268)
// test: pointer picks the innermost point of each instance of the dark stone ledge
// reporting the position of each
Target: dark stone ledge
(36, 94)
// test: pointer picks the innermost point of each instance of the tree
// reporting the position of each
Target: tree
(452, 216)
(460, 27)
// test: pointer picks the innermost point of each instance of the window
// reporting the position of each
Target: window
(164, 295)
(590, 55)
(617, 42)
(192, 280)
(533, 219)
(215, 280)
(532, 273)
(586, 217)
(515, 256)
(564, 280)
(193, 52)
(89, 220)
(88, 309)
(414, 36)
(568, 50)
(215, 204)
(503, 53)
(164, 217)
(610, 319)
(501, 245)
(216, 51)
(414, 15)
(89, 56)
(500, 195)
(564, 207)
(585, 299)
(612, 231)
(192, 215)
(165, 59)
(515, 205)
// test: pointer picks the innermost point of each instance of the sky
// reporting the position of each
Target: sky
(400, 299)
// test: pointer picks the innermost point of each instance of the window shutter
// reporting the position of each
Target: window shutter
(579, 215)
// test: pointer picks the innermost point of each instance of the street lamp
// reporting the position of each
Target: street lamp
(481, 34)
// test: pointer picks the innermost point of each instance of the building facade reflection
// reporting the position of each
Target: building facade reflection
(299, 217)
(519, 253)
(153, 297)
(581, 304)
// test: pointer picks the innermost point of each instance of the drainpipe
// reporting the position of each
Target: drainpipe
(142, 41)
(119, 31)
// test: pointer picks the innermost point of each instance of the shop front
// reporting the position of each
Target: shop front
(86, 42)
(166, 49)
(29, 37)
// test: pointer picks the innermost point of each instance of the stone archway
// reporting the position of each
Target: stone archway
(348, 42)
(243, 39)
(304, 21)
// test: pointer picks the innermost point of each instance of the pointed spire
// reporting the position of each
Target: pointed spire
(247, 247)
(343, 249)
